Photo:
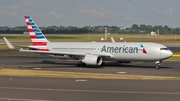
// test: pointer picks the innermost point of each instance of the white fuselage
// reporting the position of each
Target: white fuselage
(119, 51)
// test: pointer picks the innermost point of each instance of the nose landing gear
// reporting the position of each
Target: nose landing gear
(158, 63)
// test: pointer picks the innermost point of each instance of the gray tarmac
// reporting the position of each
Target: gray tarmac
(52, 89)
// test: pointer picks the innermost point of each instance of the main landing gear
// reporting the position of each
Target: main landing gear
(158, 63)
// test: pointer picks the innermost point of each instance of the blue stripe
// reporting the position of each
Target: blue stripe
(34, 27)
(141, 45)
(40, 37)
(32, 23)
(30, 20)
(36, 30)
(38, 33)
(28, 17)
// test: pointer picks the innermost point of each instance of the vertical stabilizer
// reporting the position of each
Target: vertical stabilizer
(37, 37)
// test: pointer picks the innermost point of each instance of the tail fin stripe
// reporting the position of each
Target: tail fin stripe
(33, 36)
(38, 40)
(36, 30)
(33, 24)
(40, 37)
(28, 23)
(25, 17)
(34, 27)
(37, 37)
(30, 20)
(38, 33)
(32, 33)
(39, 43)
(29, 27)
(30, 30)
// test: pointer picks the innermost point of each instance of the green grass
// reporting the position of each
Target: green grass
(95, 37)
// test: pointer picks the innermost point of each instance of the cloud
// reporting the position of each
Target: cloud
(54, 14)
(91, 13)
(14, 11)
(10, 11)
(168, 11)
(100, 13)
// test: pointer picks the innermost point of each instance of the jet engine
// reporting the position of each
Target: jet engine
(92, 60)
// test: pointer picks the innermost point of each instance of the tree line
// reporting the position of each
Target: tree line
(134, 29)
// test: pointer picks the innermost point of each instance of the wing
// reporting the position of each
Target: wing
(70, 54)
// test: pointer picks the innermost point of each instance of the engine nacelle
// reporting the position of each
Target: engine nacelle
(92, 60)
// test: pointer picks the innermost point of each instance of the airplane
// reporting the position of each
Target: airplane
(96, 53)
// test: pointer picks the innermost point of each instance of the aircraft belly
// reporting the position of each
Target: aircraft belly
(126, 56)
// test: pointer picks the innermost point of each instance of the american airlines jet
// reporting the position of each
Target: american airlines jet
(95, 53)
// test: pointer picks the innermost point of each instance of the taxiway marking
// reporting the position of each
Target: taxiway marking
(19, 99)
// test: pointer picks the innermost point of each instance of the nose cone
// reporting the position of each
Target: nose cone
(169, 53)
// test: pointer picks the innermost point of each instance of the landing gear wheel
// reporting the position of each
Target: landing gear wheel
(103, 64)
(157, 66)
(158, 63)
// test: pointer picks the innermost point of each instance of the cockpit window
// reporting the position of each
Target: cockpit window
(164, 49)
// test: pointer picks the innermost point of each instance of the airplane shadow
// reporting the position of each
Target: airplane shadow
(130, 65)
(53, 64)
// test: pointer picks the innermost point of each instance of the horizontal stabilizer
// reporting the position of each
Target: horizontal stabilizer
(10, 46)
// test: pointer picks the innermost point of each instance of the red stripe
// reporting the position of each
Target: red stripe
(33, 37)
(30, 30)
(39, 43)
(144, 51)
(25, 17)
(28, 23)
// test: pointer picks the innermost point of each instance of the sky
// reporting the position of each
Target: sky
(82, 13)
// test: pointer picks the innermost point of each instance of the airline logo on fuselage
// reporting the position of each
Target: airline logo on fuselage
(123, 49)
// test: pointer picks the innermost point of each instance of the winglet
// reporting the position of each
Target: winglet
(10, 46)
